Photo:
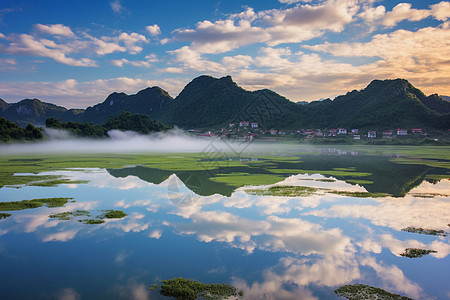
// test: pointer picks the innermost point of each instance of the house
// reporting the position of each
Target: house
(273, 131)
(372, 134)
(254, 125)
(309, 132)
(356, 137)
(355, 131)
(417, 131)
(342, 131)
(402, 132)
(332, 132)
(388, 134)
(231, 125)
(244, 124)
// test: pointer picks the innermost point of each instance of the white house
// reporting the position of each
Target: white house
(254, 125)
(372, 134)
(402, 132)
(342, 131)
(243, 124)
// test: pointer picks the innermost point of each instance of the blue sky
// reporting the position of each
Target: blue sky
(74, 53)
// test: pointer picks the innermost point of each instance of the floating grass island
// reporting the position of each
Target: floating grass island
(108, 214)
(56, 182)
(360, 194)
(366, 292)
(68, 215)
(283, 190)
(303, 191)
(416, 253)
(425, 231)
(91, 221)
(27, 204)
(188, 289)
(113, 214)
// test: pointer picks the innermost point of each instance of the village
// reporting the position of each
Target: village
(245, 130)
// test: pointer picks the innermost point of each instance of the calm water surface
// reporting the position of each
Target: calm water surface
(271, 247)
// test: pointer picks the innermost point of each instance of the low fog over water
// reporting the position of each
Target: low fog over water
(61, 141)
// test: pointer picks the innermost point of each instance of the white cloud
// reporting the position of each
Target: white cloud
(56, 29)
(116, 6)
(25, 44)
(403, 11)
(137, 63)
(153, 30)
(393, 278)
(130, 41)
(441, 11)
(221, 36)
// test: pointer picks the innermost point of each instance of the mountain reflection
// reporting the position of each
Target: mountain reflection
(318, 241)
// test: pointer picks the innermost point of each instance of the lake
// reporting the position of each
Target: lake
(276, 221)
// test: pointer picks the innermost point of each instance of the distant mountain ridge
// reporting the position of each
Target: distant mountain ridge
(208, 102)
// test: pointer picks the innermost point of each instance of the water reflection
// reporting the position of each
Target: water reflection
(315, 242)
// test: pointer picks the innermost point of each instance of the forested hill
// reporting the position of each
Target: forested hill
(381, 105)
(11, 132)
(208, 102)
(125, 122)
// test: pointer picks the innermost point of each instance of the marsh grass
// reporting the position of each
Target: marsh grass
(68, 215)
(284, 191)
(416, 253)
(426, 231)
(360, 194)
(28, 204)
(189, 289)
(57, 182)
(363, 292)
(91, 221)
(113, 214)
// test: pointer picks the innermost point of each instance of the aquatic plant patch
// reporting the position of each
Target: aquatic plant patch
(27, 204)
(366, 292)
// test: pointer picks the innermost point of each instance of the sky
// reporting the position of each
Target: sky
(75, 53)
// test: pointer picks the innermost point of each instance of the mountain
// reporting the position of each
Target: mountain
(437, 103)
(151, 101)
(382, 104)
(210, 102)
(31, 111)
(125, 121)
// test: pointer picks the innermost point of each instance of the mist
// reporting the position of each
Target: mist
(174, 141)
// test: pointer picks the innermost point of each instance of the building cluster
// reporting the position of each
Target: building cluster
(248, 130)
(356, 133)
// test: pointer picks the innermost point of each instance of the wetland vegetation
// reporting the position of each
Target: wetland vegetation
(426, 231)
(27, 204)
(416, 253)
(189, 289)
(366, 292)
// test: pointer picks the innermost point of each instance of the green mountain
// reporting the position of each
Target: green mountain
(151, 101)
(208, 102)
(382, 104)
(33, 111)
(11, 132)
(124, 122)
